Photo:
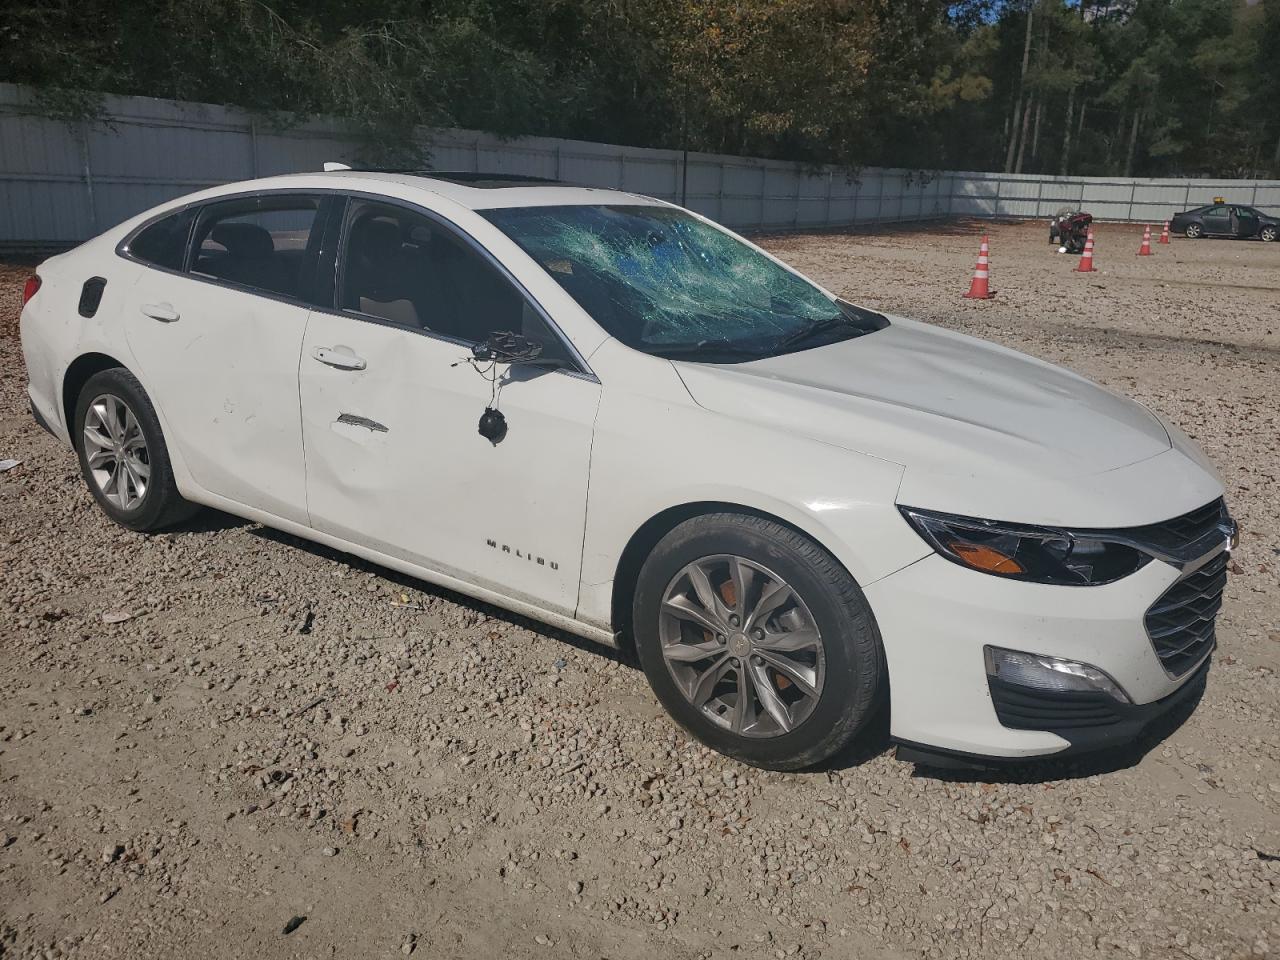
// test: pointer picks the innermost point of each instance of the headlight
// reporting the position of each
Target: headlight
(1038, 554)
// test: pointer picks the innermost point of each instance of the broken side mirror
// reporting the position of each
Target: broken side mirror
(503, 346)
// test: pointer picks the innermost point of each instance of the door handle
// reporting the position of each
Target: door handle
(163, 312)
(340, 357)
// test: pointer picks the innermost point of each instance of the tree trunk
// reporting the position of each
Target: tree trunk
(1111, 143)
(1133, 143)
(1017, 103)
(1013, 134)
(1022, 138)
(1035, 137)
(1066, 133)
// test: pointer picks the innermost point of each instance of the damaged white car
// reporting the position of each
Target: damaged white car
(605, 412)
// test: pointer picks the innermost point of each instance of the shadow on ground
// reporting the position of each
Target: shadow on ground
(404, 580)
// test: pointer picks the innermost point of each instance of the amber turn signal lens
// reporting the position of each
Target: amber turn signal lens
(985, 558)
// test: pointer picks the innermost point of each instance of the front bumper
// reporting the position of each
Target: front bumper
(1110, 724)
(936, 617)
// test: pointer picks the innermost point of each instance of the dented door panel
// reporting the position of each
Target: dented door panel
(225, 373)
(395, 461)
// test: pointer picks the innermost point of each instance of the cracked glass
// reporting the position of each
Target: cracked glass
(667, 283)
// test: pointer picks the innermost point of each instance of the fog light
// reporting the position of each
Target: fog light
(1049, 674)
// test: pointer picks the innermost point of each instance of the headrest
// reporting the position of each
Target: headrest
(377, 238)
(243, 239)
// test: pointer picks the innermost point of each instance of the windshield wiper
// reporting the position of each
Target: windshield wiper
(701, 348)
(815, 327)
(859, 319)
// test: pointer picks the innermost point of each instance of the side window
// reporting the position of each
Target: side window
(405, 268)
(258, 242)
(1218, 211)
(164, 243)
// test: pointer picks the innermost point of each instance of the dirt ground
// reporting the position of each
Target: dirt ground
(278, 732)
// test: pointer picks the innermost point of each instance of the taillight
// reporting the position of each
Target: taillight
(29, 291)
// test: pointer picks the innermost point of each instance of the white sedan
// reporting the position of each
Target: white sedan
(608, 413)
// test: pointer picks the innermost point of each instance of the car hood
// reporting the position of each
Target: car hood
(979, 428)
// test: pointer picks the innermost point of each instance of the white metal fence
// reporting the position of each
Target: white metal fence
(61, 182)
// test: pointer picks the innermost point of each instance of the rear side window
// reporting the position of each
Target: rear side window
(260, 242)
(164, 243)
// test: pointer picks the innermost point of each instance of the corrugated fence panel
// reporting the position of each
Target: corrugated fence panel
(64, 181)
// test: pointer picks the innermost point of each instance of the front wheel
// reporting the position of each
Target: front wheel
(1194, 231)
(1269, 234)
(123, 456)
(757, 641)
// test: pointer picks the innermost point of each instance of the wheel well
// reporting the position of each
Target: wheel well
(646, 538)
(77, 375)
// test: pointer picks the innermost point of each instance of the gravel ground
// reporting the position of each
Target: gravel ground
(223, 742)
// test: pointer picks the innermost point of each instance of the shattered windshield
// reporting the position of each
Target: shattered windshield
(667, 283)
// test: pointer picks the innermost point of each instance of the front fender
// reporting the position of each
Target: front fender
(655, 449)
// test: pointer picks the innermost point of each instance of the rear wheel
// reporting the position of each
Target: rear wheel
(123, 456)
(757, 641)
(1194, 231)
(1269, 234)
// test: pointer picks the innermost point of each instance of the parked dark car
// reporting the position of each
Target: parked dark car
(1226, 220)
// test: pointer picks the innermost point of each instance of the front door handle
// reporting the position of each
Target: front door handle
(163, 312)
(340, 357)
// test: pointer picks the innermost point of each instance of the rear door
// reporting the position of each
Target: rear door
(1217, 221)
(217, 342)
(391, 407)
(1246, 221)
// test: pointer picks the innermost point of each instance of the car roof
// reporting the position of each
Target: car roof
(479, 191)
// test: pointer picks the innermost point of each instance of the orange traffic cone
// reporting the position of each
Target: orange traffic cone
(1086, 258)
(1164, 234)
(980, 288)
(1145, 249)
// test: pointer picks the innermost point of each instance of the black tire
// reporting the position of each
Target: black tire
(161, 505)
(1194, 231)
(855, 671)
(1268, 234)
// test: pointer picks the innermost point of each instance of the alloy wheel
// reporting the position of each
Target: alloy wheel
(1193, 230)
(1269, 234)
(742, 646)
(116, 451)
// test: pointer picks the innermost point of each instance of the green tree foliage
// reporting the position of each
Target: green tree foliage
(1147, 86)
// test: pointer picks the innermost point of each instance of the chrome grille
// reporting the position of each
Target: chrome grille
(1181, 622)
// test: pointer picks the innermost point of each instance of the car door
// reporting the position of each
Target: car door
(1217, 221)
(217, 339)
(1246, 221)
(391, 404)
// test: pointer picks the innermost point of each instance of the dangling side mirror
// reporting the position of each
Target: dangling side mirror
(503, 346)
